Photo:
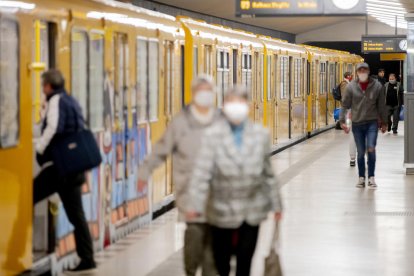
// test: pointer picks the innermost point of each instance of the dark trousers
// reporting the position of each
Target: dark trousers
(197, 250)
(49, 182)
(242, 241)
(394, 112)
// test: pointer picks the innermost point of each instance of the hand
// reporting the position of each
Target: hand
(345, 128)
(384, 128)
(278, 216)
(191, 215)
(141, 185)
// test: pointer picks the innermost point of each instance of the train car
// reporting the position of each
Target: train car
(230, 56)
(286, 75)
(122, 64)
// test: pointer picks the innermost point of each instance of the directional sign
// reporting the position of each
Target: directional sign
(253, 8)
(384, 44)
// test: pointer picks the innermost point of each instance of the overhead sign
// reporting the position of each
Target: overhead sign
(263, 8)
(384, 44)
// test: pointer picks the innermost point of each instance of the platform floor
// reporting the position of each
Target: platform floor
(329, 226)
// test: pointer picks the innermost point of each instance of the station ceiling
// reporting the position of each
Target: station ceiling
(296, 25)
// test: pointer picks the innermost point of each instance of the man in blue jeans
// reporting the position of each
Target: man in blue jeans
(366, 98)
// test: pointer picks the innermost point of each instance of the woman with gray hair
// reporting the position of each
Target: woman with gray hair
(181, 141)
(233, 183)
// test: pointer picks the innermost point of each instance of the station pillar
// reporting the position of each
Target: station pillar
(409, 100)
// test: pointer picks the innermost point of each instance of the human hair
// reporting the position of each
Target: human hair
(392, 74)
(54, 78)
(381, 70)
(200, 80)
(237, 91)
(347, 74)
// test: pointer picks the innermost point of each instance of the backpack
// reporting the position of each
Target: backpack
(336, 92)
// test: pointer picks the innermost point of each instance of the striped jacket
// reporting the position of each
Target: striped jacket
(231, 185)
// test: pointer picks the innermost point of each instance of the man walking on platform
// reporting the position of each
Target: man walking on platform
(366, 98)
(394, 99)
(381, 76)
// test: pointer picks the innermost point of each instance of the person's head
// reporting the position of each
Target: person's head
(204, 95)
(348, 76)
(381, 73)
(363, 72)
(392, 78)
(236, 105)
(52, 80)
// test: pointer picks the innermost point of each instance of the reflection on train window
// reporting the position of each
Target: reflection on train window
(284, 77)
(9, 83)
(269, 75)
(297, 78)
(153, 74)
(322, 78)
(96, 80)
(79, 64)
(195, 61)
(142, 79)
(246, 77)
(332, 82)
(223, 75)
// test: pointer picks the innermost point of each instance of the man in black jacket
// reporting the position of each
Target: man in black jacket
(394, 100)
(381, 76)
(63, 117)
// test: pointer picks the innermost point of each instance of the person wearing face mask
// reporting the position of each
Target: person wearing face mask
(182, 141)
(366, 98)
(394, 100)
(233, 184)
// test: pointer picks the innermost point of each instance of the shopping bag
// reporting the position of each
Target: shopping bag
(337, 112)
(402, 113)
(272, 261)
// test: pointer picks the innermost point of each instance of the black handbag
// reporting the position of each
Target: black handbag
(76, 152)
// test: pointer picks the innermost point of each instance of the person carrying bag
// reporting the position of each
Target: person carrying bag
(65, 151)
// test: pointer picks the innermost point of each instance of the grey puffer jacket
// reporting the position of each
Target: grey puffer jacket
(366, 106)
(181, 140)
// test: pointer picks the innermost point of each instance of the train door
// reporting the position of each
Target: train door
(297, 108)
(269, 95)
(121, 62)
(258, 87)
(314, 94)
(44, 56)
(275, 114)
(169, 96)
(283, 106)
(290, 96)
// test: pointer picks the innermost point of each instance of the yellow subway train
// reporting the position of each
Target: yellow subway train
(131, 70)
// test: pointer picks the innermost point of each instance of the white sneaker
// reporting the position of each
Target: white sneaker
(371, 183)
(361, 182)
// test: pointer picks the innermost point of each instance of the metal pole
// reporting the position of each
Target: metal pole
(396, 25)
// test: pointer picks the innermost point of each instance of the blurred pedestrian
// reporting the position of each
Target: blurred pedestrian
(182, 141)
(394, 99)
(381, 76)
(352, 146)
(233, 183)
(366, 98)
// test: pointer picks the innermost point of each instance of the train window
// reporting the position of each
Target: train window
(304, 76)
(350, 68)
(195, 61)
(208, 62)
(235, 66)
(297, 79)
(153, 73)
(259, 72)
(332, 74)
(247, 70)
(96, 80)
(269, 75)
(142, 79)
(220, 77)
(79, 67)
(284, 77)
(169, 76)
(9, 83)
(322, 78)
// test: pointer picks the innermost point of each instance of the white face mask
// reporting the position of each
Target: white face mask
(393, 81)
(236, 112)
(363, 77)
(205, 98)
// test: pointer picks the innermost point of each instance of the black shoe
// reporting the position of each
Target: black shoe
(389, 128)
(352, 163)
(84, 268)
(395, 132)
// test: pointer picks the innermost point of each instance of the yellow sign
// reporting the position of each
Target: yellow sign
(245, 5)
(391, 57)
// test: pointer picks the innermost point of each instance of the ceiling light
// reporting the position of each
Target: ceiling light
(17, 4)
